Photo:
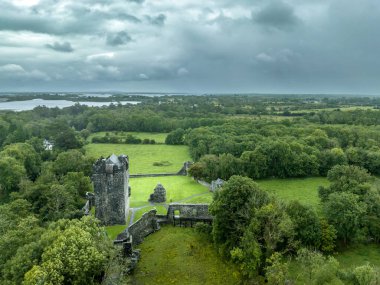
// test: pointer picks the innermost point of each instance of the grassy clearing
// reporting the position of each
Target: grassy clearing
(348, 259)
(177, 188)
(158, 137)
(142, 157)
(176, 255)
(360, 255)
(304, 190)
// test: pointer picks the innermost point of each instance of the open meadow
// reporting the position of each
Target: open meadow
(175, 255)
(304, 190)
(143, 158)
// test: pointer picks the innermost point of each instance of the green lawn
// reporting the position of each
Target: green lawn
(142, 157)
(201, 199)
(175, 255)
(158, 137)
(177, 188)
(304, 190)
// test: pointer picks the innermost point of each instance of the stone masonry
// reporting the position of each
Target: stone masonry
(110, 178)
(159, 195)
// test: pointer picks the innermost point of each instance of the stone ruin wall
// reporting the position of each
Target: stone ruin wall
(189, 211)
(143, 227)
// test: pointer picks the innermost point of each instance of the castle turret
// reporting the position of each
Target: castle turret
(111, 178)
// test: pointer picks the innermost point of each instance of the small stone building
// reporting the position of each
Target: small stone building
(159, 194)
(216, 184)
(111, 186)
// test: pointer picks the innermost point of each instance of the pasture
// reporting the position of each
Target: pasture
(304, 190)
(175, 255)
(145, 158)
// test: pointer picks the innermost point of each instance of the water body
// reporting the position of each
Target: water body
(31, 104)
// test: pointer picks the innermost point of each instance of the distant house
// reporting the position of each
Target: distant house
(216, 184)
(48, 145)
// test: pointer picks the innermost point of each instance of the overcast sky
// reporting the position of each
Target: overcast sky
(279, 46)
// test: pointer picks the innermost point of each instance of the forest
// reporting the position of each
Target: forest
(46, 239)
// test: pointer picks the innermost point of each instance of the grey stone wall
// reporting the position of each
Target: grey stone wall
(111, 178)
(199, 211)
(143, 227)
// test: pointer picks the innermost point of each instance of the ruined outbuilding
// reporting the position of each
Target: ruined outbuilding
(111, 185)
(159, 194)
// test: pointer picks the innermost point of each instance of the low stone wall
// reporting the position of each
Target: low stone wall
(196, 211)
(143, 227)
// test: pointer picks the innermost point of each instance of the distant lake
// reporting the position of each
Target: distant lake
(31, 104)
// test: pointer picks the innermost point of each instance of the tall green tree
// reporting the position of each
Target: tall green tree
(232, 207)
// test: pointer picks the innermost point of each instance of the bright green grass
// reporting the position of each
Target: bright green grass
(142, 157)
(176, 255)
(161, 210)
(304, 190)
(177, 189)
(201, 199)
(158, 137)
(113, 231)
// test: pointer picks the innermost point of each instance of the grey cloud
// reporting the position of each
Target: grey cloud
(61, 47)
(276, 14)
(120, 38)
(128, 17)
(158, 20)
(207, 46)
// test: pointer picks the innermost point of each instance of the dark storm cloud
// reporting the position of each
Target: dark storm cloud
(61, 47)
(200, 46)
(276, 14)
(118, 39)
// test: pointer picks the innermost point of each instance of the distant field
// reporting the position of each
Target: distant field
(304, 190)
(158, 137)
(175, 255)
(142, 157)
(177, 189)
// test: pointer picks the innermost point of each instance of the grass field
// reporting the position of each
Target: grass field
(304, 190)
(142, 157)
(177, 189)
(176, 255)
(158, 137)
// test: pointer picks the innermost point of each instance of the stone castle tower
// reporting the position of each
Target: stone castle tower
(111, 185)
